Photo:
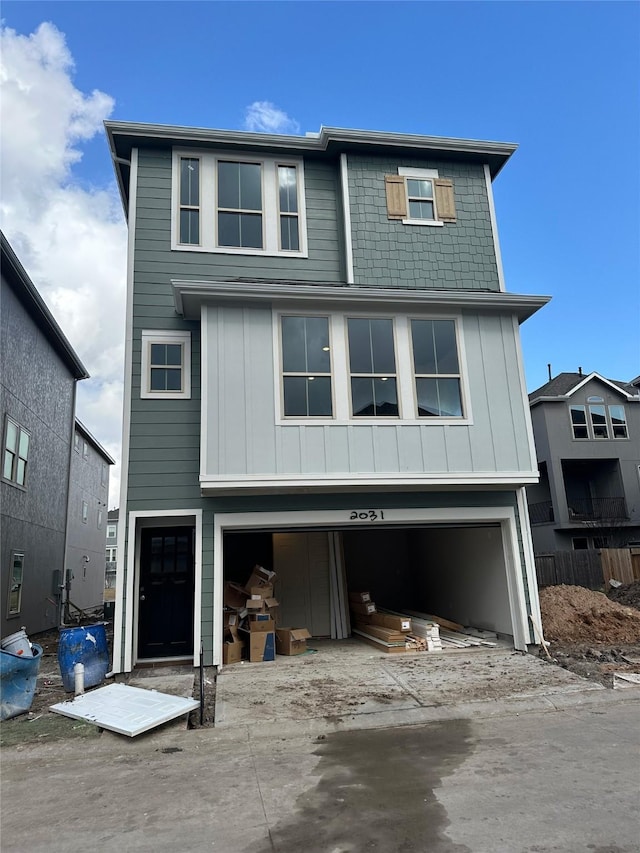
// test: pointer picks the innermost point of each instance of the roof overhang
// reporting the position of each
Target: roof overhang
(562, 398)
(82, 429)
(123, 137)
(189, 296)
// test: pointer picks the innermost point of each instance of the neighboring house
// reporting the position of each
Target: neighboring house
(111, 552)
(323, 376)
(38, 375)
(87, 524)
(587, 435)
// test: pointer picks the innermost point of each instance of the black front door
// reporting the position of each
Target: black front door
(165, 618)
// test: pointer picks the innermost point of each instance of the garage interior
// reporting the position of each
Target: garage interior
(452, 571)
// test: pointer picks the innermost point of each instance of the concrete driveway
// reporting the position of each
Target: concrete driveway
(347, 684)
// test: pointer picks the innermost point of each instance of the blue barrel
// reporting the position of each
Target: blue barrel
(18, 679)
(88, 646)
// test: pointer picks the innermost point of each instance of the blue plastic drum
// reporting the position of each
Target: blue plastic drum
(88, 646)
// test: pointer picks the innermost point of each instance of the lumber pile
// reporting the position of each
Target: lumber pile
(390, 632)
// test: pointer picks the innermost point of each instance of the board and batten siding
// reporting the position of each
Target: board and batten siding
(156, 263)
(459, 255)
(244, 438)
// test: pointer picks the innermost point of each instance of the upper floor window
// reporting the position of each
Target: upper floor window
(166, 365)
(244, 205)
(104, 474)
(14, 599)
(111, 531)
(76, 442)
(420, 197)
(597, 421)
(111, 555)
(85, 512)
(85, 450)
(100, 519)
(16, 453)
(436, 366)
(306, 367)
(372, 365)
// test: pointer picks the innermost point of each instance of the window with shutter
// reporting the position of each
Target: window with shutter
(420, 197)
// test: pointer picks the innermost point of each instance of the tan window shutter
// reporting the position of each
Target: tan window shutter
(445, 203)
(396, 197)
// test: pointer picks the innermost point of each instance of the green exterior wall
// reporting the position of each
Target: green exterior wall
(387, 253)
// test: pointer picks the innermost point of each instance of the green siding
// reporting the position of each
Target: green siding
(458, 255)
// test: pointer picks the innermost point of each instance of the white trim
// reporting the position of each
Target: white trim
(133, 578)
(432, 223)
(340, 519)
(595, 375)
(126, 411)
(533, 458)
(208, 204)
(529, 559)
(165, 336)
(346, 215)
(494, 226)
(213, 485)
(420, 174)
(204, 389)
(411, 172)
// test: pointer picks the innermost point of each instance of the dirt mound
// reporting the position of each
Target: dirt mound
(573, 614)
(628, 594)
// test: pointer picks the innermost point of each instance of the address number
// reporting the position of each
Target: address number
(367, 515)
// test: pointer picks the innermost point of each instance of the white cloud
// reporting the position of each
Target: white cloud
(71, 240)
(265, 117)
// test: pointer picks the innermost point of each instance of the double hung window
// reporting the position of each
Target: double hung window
(420, 197)
(16, 453)
(372, 365)
(436, 368)
(244, 205)
(166, 362)
(306, 367)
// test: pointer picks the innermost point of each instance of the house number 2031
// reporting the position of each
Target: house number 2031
(367, 515)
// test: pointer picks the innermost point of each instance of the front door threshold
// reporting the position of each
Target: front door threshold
(151, 662)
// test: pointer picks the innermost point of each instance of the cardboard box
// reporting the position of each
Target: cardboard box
(232, 646)
(253, 604)
(364, 607)
(261, 622)
(291, 641)
(261, 646)
(359, 596)
(234, 595)
(260, 577)
(265, 591)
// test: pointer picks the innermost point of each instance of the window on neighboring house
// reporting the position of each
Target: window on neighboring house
(436, 367)
(166, 363)
(189, 215)
(16, 453)
(580, 543)
(104, 474)
(14, 599)
(372, 366)
(111, 531)
(245, 205)
(111, 554)
(420, 197)
(618, 422)
(306, 367)
(85, 512)
(85, 450)
(579, 422)
(76, 442)
(99, 521)
(598, 418)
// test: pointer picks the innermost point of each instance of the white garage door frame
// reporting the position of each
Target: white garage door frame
(348, 519)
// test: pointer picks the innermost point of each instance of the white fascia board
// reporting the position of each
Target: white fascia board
(494, 227)
(227, 484)
(597, 376)
(188, 295)
(346, 215)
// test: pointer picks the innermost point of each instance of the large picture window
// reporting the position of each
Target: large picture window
(16, 453)
(436, 367)
(372, 366)
(306, 367)
(598, 421)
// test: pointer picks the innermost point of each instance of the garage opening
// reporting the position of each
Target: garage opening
(457, 572)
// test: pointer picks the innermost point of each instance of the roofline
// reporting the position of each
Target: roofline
(94, 441)
(544, 398)
(17, 276)
(523, 306)
(131, 134)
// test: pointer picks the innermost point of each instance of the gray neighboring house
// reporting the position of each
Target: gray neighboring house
(587, 435)
(38, 375)
(111, 552)
(323, 375)
(87, 524)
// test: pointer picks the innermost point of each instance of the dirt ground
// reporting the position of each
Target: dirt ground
(590, 633)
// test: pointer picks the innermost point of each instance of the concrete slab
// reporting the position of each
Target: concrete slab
(349, 683)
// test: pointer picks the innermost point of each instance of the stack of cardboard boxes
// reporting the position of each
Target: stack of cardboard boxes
(250, 622)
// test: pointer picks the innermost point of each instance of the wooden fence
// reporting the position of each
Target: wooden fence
(590, 568)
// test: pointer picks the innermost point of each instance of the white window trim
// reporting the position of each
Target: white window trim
(420, 174)
(281, 372)
(162, 336)
(209, 206)
(340, 373)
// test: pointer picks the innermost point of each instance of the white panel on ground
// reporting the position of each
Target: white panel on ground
(124, 709)
(301, 562)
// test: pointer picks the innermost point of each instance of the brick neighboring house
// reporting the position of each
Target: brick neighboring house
(587, 436)
(323, 375)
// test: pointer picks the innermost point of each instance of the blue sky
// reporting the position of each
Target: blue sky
(560, 79)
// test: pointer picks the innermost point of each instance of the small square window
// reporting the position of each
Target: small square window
(166, 365)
